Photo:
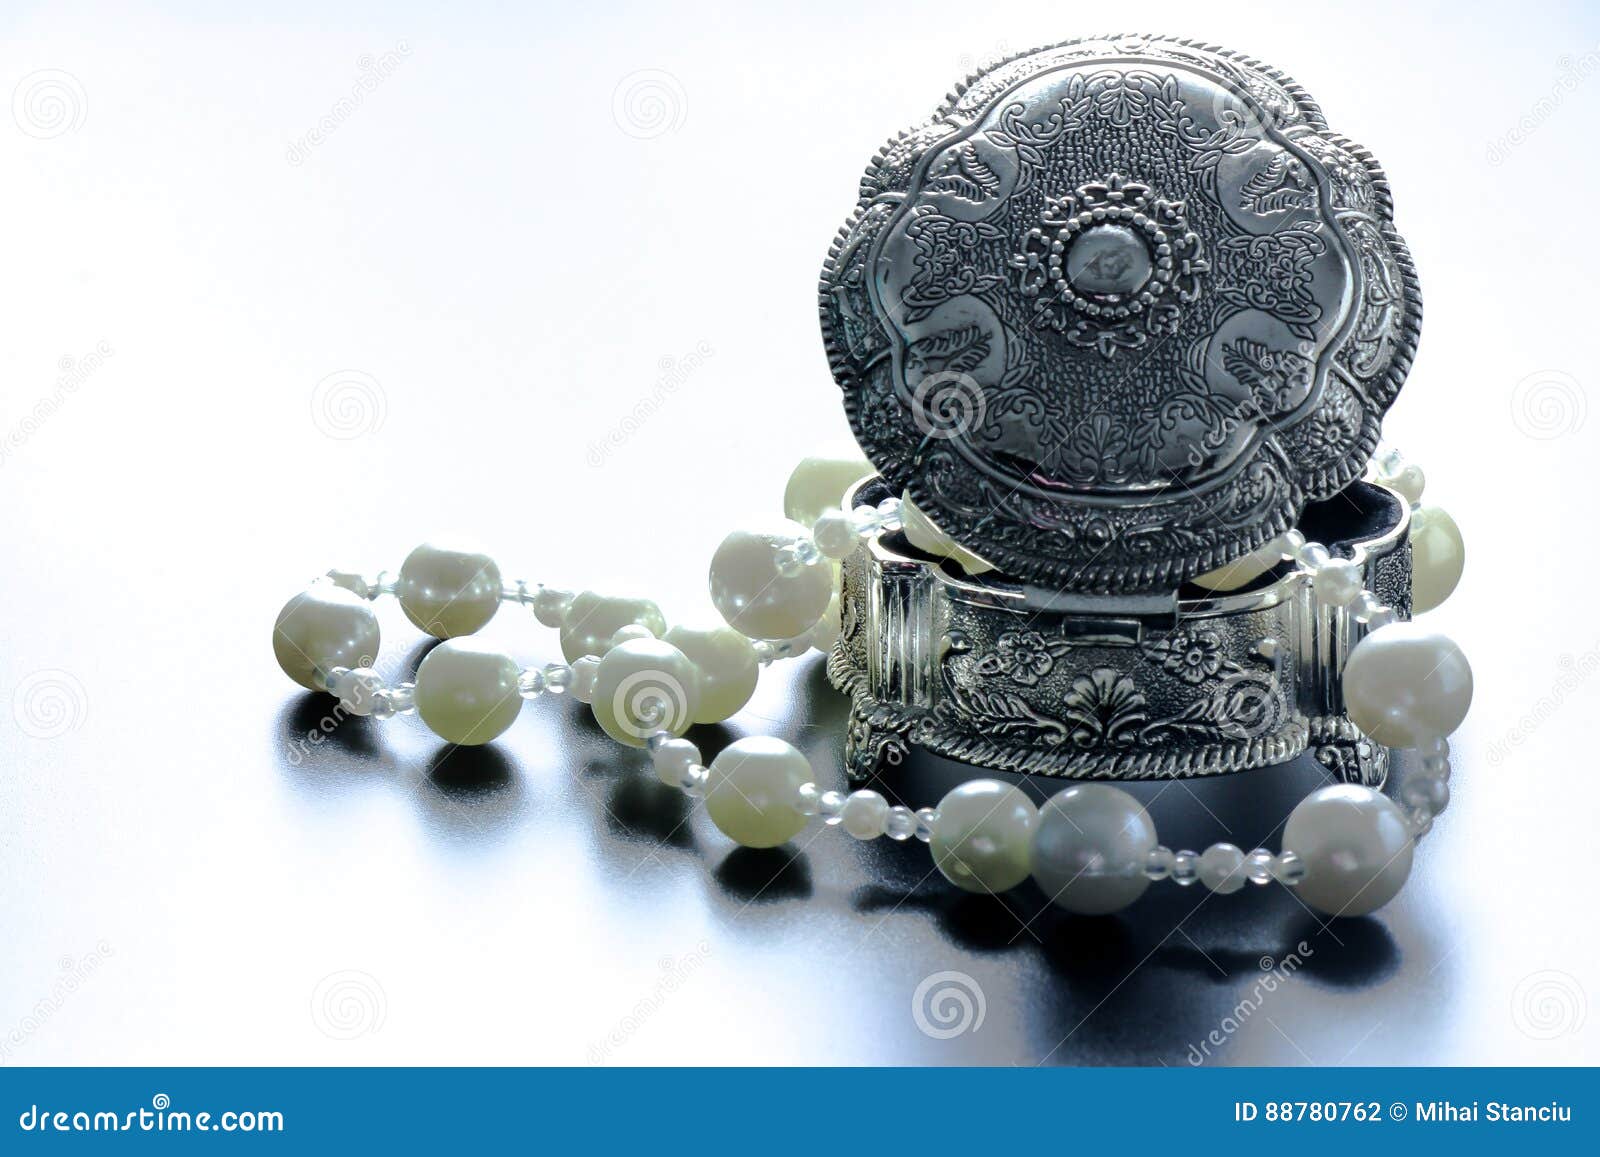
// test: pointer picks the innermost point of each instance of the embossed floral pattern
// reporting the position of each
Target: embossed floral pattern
(1023, 656)
(1193, 656)
(1104, 709)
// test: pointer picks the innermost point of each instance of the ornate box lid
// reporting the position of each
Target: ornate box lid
(1119, 310)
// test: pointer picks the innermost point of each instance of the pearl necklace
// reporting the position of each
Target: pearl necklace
(1092, 847)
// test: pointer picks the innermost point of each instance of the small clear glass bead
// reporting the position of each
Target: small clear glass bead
(789, 561)
(352, 582)
(383, 704)
(927, 817)
(693, 780)
(382, 585)
(808, 800)
(330, 679)
(764, 652)
(557, 678)
(865, 519)
(1258, 866)
(1388, 461)
(1158, 863)
(655, 739)
(1289, 544)
(515, 592)
(1420, 821)
(806, 550)
(831, 806)
(1288, 869)
(902, 823)
(404, 697)
(1185, 868)
(889, 517)
(530, 684)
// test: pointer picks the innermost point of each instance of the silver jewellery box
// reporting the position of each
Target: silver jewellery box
(1121, 313)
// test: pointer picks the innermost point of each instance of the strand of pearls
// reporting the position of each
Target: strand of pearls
(1092, 848)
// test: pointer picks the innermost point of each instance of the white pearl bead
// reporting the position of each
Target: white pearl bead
(865, 814)
(321, 628)
(1241, 571)
(467, 691)
(756, 597)
(1091, 847)
(825, 633)
(983, 840)
(753, 791)
(1355, 847)
(1405, 684)
(355, 687)
(818, 484)
(672, 758)
(550, 606)
(583, 671)
(727, 666)
(925, 535)
(592, 619)
(1222, 868)
(1409, 481)
(642, 687)
(448, 590)
(1338, 582)
(1438, 556)
(835, 534)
